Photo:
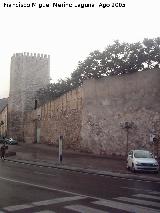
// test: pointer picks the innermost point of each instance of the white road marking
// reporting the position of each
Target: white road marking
(81, 208)
(45, 211)
(57, 200)
(42, 203)
(144, 190)
(41, 187)
(48, 188)
(142, 202)
(77, 194)
(153, 192)
(125, 207)
(147, 196)
(18, 207)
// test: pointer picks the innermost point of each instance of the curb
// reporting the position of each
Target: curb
(10, 153)
(87, 171)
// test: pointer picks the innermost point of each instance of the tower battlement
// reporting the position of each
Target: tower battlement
(29, 55)
(28, 73)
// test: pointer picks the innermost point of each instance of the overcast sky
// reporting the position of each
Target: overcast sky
(69, 34)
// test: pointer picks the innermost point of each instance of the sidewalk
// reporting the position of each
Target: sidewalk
(47, 155)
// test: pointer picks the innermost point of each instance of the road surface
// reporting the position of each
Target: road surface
(27, 188)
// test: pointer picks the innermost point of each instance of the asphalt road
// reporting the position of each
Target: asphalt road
(27, 189)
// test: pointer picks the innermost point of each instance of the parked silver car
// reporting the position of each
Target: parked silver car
(142, 160)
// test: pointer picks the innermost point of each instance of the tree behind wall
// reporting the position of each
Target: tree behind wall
(116, 59)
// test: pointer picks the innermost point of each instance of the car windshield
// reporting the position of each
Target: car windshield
(142, 154)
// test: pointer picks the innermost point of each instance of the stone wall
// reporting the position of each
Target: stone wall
(59, 117)
(110, 102)
(91, 117)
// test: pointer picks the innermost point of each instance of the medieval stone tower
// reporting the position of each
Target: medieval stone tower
(28, 73)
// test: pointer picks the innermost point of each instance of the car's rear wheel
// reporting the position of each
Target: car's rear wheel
(128, 167)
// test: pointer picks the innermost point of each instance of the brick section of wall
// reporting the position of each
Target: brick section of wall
(62, 116)
(29, 127)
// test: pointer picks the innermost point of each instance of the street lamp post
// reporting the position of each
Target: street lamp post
(127, 125)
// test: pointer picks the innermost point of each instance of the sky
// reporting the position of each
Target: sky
(69, 34)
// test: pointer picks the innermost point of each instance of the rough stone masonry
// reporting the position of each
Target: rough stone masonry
(28, 73)
(90, 117)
